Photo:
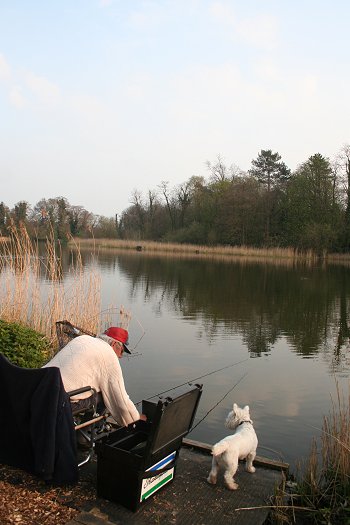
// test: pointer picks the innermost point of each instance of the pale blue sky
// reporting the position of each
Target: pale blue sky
(99, 97)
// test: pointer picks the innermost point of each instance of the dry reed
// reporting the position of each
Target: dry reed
(200, 250)
(322, 490)
(33, 293)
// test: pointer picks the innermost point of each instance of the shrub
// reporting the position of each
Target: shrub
(22, 345)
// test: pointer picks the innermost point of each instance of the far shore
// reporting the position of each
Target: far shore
(272, 254)
(152, 247)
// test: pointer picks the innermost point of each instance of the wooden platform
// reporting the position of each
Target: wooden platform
(190, 500)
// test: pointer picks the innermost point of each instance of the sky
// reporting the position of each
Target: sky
(99, 98)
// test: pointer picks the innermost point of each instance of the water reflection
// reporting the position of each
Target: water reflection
(262, 302)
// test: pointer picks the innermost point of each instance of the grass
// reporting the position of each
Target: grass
(33, 293)
(278, 255)
(194, 249)
(321, 493)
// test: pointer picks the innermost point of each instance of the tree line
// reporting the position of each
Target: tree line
(57, 216)
(268, 205)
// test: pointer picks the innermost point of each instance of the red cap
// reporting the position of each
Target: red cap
(119, 334)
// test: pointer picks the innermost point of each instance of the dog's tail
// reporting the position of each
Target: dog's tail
(219, 448)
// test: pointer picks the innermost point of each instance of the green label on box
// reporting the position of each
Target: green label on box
(151, 485)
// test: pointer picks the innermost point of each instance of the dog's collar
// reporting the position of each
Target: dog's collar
(246, 421)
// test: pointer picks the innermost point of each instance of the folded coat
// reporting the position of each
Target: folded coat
(37, 430)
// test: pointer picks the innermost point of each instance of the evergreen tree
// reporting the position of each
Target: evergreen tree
(268, 169)
(62, 218)
(271, 172)
(20, 212)
(3, 218)
(313, 215)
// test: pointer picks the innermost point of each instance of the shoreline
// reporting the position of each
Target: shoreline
(288, 255)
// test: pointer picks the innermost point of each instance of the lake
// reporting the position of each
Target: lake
(277, 330)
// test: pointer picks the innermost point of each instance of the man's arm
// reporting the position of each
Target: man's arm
(115, 396)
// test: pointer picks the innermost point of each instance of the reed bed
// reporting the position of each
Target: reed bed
(33, 293)
(241, 260)
(321, 493)
(174, 248)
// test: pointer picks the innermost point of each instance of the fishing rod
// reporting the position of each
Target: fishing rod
(195, 379)
(218, 403)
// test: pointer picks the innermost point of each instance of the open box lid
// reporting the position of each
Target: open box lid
(142, 443)
(172, 417)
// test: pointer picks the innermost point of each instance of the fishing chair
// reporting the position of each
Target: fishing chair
(90, 421)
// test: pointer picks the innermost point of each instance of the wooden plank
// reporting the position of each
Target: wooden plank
(259, 460)
(203, 447)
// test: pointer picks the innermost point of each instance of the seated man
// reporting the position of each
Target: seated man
(94, 361)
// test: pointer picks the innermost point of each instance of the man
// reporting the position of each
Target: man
(94, 361)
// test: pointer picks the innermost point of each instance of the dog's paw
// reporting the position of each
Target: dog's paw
(232, 486)
(251, 469)
(211, 480)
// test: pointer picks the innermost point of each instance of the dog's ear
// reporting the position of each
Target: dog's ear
(246, 408)
(235, 407)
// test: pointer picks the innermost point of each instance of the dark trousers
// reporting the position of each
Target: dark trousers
(84, 404)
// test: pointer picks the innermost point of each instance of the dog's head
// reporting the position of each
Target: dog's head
(237, 416)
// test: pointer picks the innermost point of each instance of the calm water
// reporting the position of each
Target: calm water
(287, 326)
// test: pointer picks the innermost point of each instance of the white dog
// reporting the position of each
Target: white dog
(241, 445)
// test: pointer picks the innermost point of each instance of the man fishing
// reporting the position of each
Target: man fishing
(94, 361)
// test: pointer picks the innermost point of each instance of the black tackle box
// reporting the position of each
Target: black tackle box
(136, 461)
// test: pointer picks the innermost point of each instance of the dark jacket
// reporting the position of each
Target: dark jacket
(36, 424)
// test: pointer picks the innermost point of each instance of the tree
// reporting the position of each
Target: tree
(184, 200)
(319, 174)
(220, 172)
(151, 214)
(81, 222)
(164, 188)
(239, 214)
(312, 213)
(105, 228)
(140, 211)
(20, 212)
(52, 214)
(269, 170)
(344, 161)
(62, 218)
(342, 169)
(4, 214)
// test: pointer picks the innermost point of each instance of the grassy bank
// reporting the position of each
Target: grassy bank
(165, 248)
(194, 249)
(33, 293)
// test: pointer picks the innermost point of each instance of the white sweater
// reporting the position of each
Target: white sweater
(89, 361)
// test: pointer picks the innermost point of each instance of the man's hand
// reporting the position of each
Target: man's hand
(143, 417)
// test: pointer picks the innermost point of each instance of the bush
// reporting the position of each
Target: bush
(22, 345)
(194, 234)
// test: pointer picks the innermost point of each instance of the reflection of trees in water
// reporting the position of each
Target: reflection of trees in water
(262, 302)
(259, 335)
(337, 346)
